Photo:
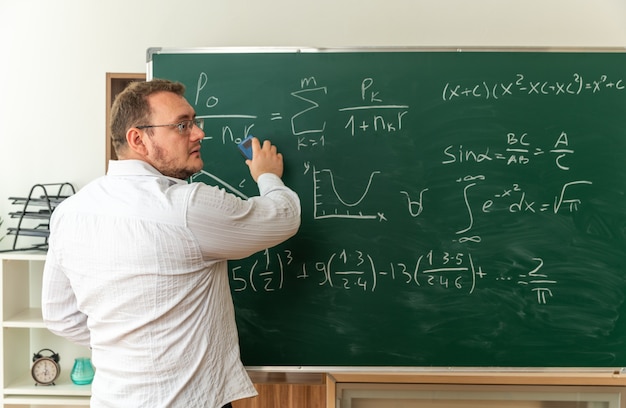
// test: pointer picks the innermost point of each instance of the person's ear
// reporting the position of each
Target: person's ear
(134, 138)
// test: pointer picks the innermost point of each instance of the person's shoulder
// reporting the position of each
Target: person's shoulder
(84, 190)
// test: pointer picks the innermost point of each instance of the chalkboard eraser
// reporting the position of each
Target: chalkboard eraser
(245, 147)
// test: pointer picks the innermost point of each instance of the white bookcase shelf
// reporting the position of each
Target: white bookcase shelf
(24, 334)
(28, 318)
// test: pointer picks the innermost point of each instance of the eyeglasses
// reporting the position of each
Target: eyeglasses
(184, 127)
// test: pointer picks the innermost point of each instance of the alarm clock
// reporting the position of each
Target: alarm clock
(46, 369)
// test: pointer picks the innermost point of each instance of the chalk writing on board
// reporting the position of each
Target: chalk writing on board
(328, 201)
(372, 112)
(514, 197)
(494, 222)
(415, 206)
(518, 151)
(221, 182)
(575, 85)
(377, 117)
(307, 124)
(308, 96)
(264, 275)
(534, 277)
(376, 121)
(357, 270)
(517, 201)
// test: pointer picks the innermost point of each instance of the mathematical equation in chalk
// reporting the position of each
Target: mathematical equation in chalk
(475, 195)
(357, 271)
(374, 112)
(521, 85)
(518, 150)
(308, 112)
(370, 114)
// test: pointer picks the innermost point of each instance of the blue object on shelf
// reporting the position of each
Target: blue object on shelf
(82, 372)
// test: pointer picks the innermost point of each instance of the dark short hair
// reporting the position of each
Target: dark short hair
(131, 107)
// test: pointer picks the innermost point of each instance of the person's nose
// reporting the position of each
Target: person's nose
(197, 133)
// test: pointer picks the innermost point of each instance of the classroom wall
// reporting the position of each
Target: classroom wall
(54, 55)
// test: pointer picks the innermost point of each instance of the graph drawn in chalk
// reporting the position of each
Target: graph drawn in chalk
(329, 202)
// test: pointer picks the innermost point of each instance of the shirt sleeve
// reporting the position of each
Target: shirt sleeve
(58, 305)
(229, 227)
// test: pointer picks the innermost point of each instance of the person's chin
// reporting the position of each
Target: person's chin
(197, 166)
(195, 160)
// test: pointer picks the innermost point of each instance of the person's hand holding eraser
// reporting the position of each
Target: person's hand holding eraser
(265, 158)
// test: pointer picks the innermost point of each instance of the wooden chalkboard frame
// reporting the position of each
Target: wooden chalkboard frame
(152, 52)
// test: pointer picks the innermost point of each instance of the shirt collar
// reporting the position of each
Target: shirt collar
(136, 168)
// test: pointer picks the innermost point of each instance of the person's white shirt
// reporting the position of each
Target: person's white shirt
(137, 270)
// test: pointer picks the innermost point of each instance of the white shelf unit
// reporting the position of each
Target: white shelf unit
(24, 334)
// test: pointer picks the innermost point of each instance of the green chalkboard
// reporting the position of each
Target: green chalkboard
(459, 208)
